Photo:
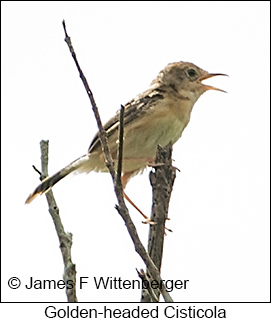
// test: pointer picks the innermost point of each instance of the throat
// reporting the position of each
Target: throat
(181, 109)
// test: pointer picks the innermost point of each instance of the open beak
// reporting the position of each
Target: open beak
(209, 87)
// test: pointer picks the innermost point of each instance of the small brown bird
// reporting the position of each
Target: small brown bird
(155, 117)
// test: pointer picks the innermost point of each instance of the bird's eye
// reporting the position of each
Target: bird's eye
(191, 72)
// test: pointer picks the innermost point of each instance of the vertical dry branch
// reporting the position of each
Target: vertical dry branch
(162, 181)
(121, 207)
(65, 239)
(120, 148)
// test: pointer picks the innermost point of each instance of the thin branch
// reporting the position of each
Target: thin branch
(102, 133)
(147, 286)
(162, 181)
(65, 239)
(121, 207)
(120, 146)
(35, 168)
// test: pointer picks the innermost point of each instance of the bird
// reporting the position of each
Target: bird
(155, 117)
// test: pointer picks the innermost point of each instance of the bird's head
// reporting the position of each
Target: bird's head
(186, 79)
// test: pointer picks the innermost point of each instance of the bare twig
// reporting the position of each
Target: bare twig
(102, 133)
(147, 286)
(120, 146)
(121, 207)
(65, 239)
(35, 168)
(162, 183)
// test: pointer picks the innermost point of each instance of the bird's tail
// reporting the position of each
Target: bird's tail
(49, 182)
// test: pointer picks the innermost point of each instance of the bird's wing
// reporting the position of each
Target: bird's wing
(137, 107)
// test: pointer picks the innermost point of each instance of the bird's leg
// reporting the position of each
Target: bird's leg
(147, 220)
(153, 164)
(125, 178)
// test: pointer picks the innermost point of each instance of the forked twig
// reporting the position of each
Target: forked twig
(121, 207)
